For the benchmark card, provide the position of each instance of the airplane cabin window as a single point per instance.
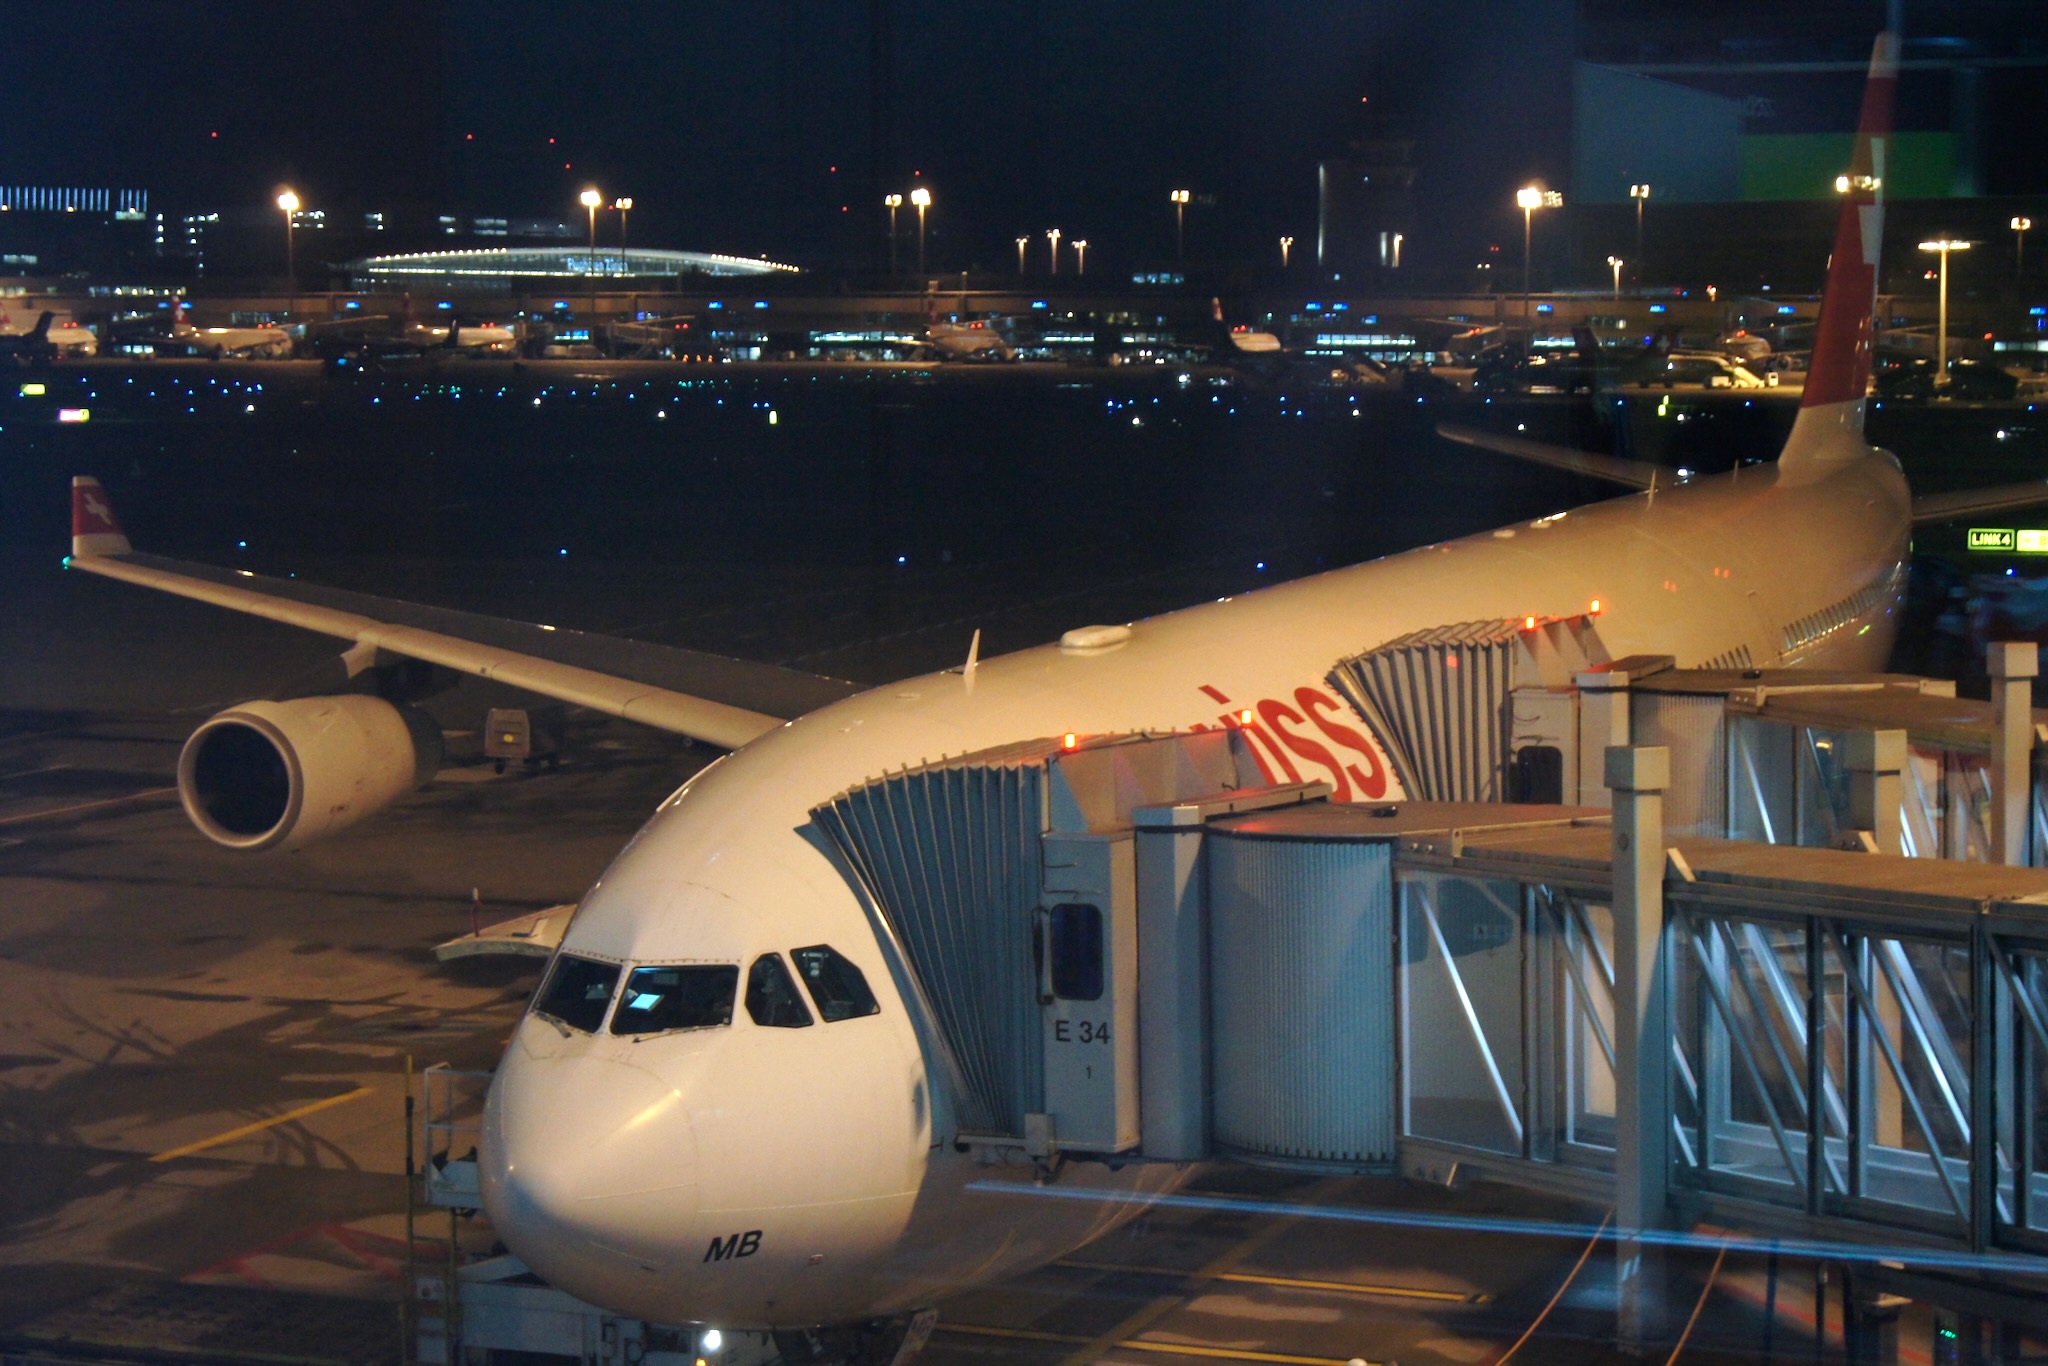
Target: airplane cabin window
(664, 998)
(1077, 952)
(834, 983)
(772, 997)
(577, 992)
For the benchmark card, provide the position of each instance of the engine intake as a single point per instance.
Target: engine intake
(275, 775)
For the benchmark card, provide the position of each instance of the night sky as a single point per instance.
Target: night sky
(725, 121)
(772, 127)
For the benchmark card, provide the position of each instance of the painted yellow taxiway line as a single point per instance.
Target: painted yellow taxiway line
(150, 794)
(1402, 1292)
(1144, 1345)
(260, 1125)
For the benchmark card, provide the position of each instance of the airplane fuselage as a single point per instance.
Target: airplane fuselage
(753, 1176)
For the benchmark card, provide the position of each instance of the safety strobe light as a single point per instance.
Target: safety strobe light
(74, 414)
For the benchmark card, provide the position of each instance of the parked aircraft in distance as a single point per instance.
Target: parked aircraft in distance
(385, 339)
(722, 1106)
(34, 345)
(967, 341)
(64, 337)
(179, 337)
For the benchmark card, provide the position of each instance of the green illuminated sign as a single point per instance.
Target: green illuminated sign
(2024, 541)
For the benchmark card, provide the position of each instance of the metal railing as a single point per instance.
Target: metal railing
(1920, 1106)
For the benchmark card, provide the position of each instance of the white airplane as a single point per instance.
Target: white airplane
(62, 337)
(466, 336)
(217, 343)
(968, 341)
(717, 1110)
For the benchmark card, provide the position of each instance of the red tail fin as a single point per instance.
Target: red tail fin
(1841, 346)
(1831, 410)
(94, 530)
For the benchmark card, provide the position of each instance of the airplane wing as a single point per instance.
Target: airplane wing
(1634, 474)
(1946, 507)
(724, 702)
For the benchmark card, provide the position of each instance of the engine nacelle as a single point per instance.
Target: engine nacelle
(274, 775)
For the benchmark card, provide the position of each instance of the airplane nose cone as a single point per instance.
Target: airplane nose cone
(589, 1167)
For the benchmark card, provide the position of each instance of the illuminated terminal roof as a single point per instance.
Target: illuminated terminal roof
(558, 263)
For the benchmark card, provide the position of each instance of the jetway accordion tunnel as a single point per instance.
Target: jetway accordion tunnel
(1136, 948)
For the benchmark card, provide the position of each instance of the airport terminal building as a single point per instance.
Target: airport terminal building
(493, 268)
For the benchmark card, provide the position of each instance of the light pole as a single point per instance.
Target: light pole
(590, 199)
(624, 206)
(892, 202)
(1614, 263)
(1944, 246)
(1180, 226)
(289, 202)
(1531, 198)
(1286, 246)
(2019, 245)
(1052, 235)
(1641, 195)
(1022, 242)
(1080, 256)
(922, 198)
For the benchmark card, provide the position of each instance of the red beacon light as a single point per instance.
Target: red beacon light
(1593, 608)
(1528, 623)
(1245, 716)
(1070, 741)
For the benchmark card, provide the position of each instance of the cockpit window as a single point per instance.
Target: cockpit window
(772, 997)
(834, 983)
(657, 999)
(577, 992)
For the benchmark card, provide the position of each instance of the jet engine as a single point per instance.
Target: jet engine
(275, 775)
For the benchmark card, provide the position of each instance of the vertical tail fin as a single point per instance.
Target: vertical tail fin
(93, 528)
(1830, 423)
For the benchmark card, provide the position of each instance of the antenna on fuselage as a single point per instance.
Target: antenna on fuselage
(973, 658)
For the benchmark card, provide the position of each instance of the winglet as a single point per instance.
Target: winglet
(93, 528)
(1830, 423)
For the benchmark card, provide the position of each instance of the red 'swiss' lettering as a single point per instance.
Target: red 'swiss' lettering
(1344, 756)
(1372, 781)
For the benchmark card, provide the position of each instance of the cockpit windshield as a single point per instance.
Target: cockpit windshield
(577, 992)
(663, 998)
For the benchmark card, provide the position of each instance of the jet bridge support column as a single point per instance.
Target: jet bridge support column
(2013, 664)
(1637, 776)
(1874, 760)
(1603, 723)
